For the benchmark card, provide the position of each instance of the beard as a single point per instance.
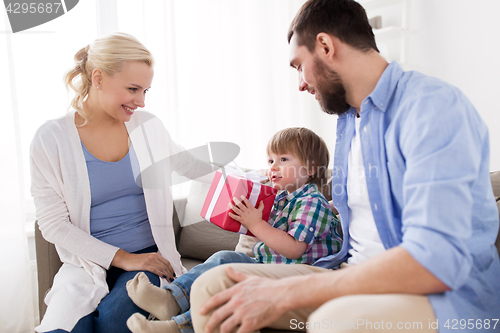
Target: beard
(330, 90)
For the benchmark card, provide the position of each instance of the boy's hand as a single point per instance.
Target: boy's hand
(245, 213)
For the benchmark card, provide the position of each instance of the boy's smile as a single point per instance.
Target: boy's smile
(287, 172)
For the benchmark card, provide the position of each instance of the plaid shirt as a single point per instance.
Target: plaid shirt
(307, 216)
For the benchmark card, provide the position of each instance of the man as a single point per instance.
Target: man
(411, 184)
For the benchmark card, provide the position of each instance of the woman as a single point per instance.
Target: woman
(101, 187)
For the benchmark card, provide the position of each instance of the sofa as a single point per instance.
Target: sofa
(196, 238)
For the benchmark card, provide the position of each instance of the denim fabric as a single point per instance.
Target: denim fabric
(85, 324)
(181, 287)
(184, 322)
(112, 313)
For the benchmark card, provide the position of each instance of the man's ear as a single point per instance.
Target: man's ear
(324, 45)
(97, 76)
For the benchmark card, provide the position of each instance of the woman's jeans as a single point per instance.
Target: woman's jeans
(112, 313)
(181, 287)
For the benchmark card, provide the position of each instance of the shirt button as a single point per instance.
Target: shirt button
(376, 207)
(311, 229)
(364, 129)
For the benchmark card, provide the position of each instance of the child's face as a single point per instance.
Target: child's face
(286, 172)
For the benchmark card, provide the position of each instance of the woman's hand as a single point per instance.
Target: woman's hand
(151, 262)
(245, 213)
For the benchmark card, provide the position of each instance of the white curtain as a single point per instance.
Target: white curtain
(16, 307)
(222, 71)
(32, 64)
(222, 74)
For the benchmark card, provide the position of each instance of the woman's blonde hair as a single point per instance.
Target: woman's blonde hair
(108, 53)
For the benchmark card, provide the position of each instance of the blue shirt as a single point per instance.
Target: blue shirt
(118, 213)
(426, 158)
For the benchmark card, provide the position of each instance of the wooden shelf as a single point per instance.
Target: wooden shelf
(387, 32)
(394, 37)
(370, 5)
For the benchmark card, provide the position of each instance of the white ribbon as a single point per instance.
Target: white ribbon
(210, 208)
(242, 230)
(254, 195)
(251, 175)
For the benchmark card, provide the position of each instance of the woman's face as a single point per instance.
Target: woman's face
(121, 94)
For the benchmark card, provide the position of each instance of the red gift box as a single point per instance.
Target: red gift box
(224, 189)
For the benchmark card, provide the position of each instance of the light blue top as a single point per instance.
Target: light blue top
(426, 158)
(118, 213)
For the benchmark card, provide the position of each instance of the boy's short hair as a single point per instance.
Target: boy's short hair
(307, 146)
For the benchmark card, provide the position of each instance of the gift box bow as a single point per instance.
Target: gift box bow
(223, 189)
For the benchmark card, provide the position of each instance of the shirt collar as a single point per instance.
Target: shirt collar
(385, 87)
(308, 187)
(352, 111)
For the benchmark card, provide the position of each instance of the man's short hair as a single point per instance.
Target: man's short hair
(344, 19)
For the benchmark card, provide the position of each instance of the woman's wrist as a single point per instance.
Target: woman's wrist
(120, 258)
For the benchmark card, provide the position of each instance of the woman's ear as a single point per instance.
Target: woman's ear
(97, 76)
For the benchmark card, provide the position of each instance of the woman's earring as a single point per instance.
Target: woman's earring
(97, 87)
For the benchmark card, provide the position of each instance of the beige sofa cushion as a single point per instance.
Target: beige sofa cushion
(199, 238)
(495, 183)
(245, 245)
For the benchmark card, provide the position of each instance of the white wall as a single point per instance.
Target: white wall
(458, 41)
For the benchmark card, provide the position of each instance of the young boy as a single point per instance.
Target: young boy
(301, 229)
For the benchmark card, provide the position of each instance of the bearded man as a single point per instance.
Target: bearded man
(412, 188)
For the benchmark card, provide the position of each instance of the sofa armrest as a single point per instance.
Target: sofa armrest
(48, 263)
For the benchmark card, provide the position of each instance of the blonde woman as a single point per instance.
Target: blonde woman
(95, 197)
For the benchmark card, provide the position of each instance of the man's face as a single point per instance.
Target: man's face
(319, 80)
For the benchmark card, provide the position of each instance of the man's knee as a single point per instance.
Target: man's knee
(367, 313)
(330, 317)
(210, 283)
(204, 287)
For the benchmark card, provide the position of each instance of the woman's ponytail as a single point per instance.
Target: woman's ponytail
(79, 79)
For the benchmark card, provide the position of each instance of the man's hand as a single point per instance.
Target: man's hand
(253, 303)
(245, 213)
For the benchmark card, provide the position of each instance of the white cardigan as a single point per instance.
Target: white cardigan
(60, 187)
